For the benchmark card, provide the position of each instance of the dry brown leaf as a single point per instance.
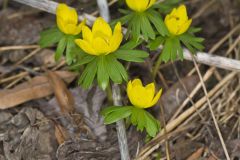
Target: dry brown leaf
(197, 154)
(62, 94)
(37, 87)
(60, 134)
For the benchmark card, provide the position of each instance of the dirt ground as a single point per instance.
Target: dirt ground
(34, 90)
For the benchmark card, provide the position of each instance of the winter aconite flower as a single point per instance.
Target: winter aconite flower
(140, 5)
(177, 21)
(140, 96)
(100, 40)
(67, 20)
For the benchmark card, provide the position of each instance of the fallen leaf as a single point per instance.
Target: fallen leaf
(197, 154)
(60, 134)
(62, 94)
(36, 88)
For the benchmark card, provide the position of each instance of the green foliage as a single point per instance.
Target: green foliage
(166, 6)
(106, 67)
(50, 37)
(65, 43)
(143, 24)
(172, 45)
(138, 117)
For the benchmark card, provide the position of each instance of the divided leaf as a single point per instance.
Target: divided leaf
(131, 55)
(50, 37)
(88, 74)
(102, 74)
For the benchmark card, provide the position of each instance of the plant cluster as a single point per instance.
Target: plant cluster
(98, 53)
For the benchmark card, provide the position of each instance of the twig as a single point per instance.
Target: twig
(6, 48)
(211, 110)
(201, 57)
(103, 9)
(122, 137)
(212, 60)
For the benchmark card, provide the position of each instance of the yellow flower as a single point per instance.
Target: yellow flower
(67, 20)
(177, 21)
(140, 5)
(100, 40)
(140, 96)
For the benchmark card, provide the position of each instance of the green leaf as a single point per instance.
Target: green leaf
(191, 42)
(131, 44)
(84, 60)
(124, 11)
(102, 74)
(88, 74)
(111, 109)
(60, 48)
(131, 55)
(154, 44)
(112, 69)
(50, 37)
(134, 26)
(125, 19)
(146, 28)
(121, 69)
(152, 126)
(116, 115)
(142, 119)
(193, 30)
(70, 48)
(157, 21)
(167, 50)
(137, 118)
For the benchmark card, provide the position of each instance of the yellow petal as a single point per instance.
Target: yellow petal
(68, 15)
(61, 25)
(87, 34)
(100, 46)
(100, 25)
(72, 29)
(139, 5)
(138, 97)
(85, 46)
(136, 82)
(184, 27)
(81, 25)
(131, 4)
(174, 12)
(150, 91)
(142, 5)
(171, 24)
(155, 99)
(182, 12)
(117, 37)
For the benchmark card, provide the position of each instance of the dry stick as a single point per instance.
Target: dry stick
(221, 62)
(148, 149)
(6, 48)
(122, 138)
(103, 9)
(211, 110)
(28, 56)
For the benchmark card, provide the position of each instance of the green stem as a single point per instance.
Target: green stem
(109, 94)
(156, 67)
